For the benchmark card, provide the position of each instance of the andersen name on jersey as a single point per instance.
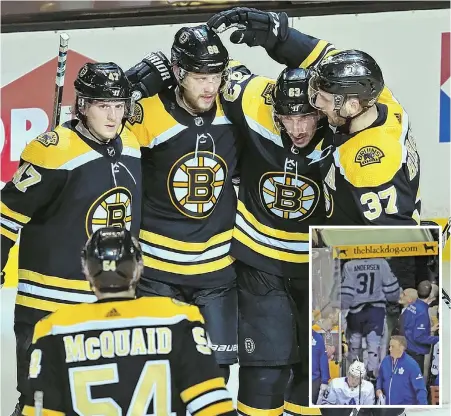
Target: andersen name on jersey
(189, 201)
(65, 188)
(280, 190)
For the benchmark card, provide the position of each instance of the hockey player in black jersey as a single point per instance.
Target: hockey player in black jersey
(370, 175)
(370, 165)
(122, 355)
(279, 197)
(83, 175)
(189, 154)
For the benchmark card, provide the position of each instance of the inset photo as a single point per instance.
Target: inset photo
(375, 313)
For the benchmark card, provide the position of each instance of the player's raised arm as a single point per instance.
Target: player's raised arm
(271, 30)
(151, 75)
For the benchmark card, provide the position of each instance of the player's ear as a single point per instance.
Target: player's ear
(353, 106)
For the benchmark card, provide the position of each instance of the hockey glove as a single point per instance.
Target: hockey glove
(151, 76)
(255, 27)
(2, 278)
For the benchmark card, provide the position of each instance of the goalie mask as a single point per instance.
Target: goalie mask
(293, 115)
(112, 260)
(104, 85)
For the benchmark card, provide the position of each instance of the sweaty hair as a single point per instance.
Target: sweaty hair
(424, 289)
(401, 340)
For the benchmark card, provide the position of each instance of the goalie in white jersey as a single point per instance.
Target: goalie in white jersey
(350, 390)
(367, 285)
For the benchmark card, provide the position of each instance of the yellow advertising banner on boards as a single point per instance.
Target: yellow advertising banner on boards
(362, 251)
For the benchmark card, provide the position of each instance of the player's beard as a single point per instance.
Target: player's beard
(335, 120)
(197, 103)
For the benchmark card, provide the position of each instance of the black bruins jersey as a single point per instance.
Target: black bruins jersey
(280, 192)
(65, 188)
(377, 169)
(189, 201)
(126, 357)
(372, 176)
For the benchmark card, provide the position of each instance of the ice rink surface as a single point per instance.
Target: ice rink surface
(8, 369)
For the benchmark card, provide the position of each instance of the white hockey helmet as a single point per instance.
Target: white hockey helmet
(357, 369)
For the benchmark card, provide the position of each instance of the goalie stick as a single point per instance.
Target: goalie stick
(59, 81)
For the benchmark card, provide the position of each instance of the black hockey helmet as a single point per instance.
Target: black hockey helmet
(102, 81)
(348, 74)
(199, 49)
(290, 98)
(290, 94)
(112, 260)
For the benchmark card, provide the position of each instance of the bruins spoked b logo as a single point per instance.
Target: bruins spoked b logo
(288, 196)
(111, 209)
(195, 183)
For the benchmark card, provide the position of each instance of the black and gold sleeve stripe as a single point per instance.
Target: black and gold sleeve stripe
(208, 398)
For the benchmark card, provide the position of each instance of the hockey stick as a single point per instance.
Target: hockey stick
(38, 403)
(59, 81)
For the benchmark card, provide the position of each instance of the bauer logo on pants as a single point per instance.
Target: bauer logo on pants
(427, 248)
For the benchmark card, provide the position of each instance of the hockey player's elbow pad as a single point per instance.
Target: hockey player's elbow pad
(151, 76)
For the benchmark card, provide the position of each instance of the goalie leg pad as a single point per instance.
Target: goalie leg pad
(373, 342)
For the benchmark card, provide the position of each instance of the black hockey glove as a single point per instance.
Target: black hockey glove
(255, 27)
(151, 76)
(2, 278)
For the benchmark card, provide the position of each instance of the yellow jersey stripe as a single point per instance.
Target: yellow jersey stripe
(190, 269)
(128, 313)
(269, 252)
(198, 389)
(314, 55)
(22, 219)
(217, 409)
(30, 411)
(301, 410)
(58, 282)
(252, 411)
(271, 232)
(39, 304)
(161, 240)
(8, 234)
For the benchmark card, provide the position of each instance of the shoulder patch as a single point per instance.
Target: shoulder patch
(138, 114)
(267, 93)
(368, 155)
(50, 138)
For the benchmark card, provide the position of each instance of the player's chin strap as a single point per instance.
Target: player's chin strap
(345, 127)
